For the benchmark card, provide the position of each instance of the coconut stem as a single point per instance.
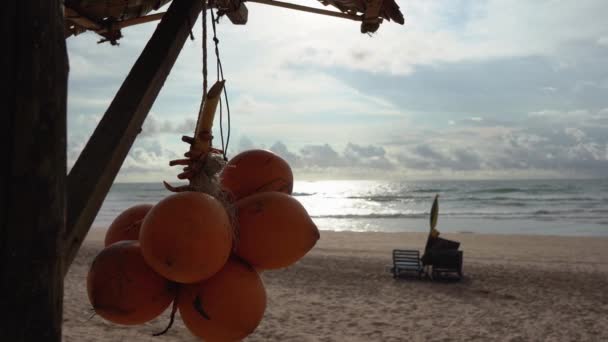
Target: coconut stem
(202, 133)
(202, 163)
(172, 318)
(198, 306)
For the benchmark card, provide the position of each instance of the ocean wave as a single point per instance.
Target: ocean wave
(544, 214)
(508, 201)
(373, 216)
(302, 194)
(514, 204)
(524, 190)
(431, 190)
(588, 212)
(496, 191)
(571, 211)
(382, 198)
(524, 199)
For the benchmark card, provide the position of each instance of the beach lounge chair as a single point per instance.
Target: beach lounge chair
(406, 262)
(441, 255)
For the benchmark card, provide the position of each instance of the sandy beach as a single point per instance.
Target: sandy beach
(516, 288)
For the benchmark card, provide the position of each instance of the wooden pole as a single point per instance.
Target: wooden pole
(93, 173)
(33, 90)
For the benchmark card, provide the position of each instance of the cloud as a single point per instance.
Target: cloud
(435, 32)
(353, 158)
(370, 156)
(153, 127)
(322, 156)
(292, 159)
(148, 160)
(465, 87)
(549, 142)
(245, 144)
(426, 157)
(576, 133)
(75, 145)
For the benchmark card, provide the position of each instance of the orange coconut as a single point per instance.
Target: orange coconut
(123, 289)
(186, 237)
(274, 230)
(226, 307)
(256, 171)
(126, 225)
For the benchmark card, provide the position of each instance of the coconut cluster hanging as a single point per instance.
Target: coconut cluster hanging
(203, 246)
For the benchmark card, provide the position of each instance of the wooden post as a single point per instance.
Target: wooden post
(93, 173)
(33, 89)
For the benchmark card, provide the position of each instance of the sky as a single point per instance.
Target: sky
(465, 89)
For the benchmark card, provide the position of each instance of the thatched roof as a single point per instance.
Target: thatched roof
(114, 9)
(107, 17)
(387, 9)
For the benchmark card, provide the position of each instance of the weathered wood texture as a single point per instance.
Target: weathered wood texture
(33, 89)
(93, 173)
(114, 9)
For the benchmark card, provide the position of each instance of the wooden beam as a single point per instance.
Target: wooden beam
(136, 21)
(33, 91)
(83, 21)
(93, 173)
(73, 16)
(308, 9)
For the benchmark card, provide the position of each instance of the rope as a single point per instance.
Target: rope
(219, 72)
(220, 75)
(204, 47)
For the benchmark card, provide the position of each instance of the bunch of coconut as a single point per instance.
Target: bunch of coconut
(203, 247)
(204, 251)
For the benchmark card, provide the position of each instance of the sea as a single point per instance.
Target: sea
(540, 207)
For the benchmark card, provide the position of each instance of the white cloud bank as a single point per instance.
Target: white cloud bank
(286, 95)
(524, 149)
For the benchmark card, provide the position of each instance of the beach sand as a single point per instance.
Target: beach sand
(516, 288)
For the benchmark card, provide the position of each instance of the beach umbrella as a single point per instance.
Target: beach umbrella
(434, 233)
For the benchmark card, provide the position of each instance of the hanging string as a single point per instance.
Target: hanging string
(204, 48)
(220, 76)
(219, 72)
